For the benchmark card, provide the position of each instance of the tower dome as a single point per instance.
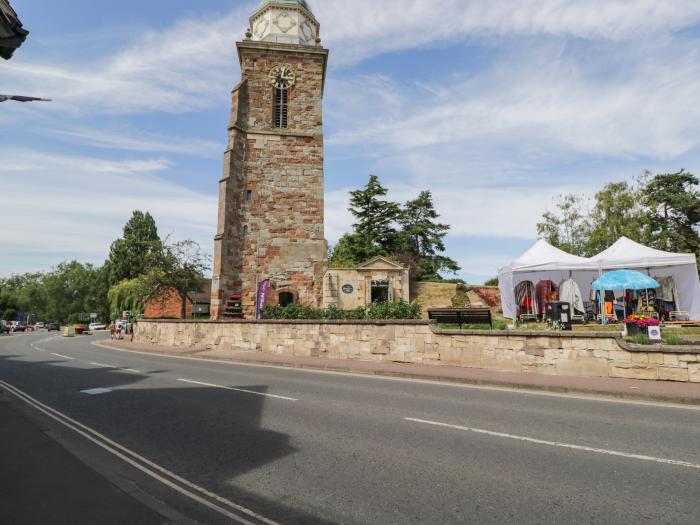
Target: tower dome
(285, 22)
(302, 3)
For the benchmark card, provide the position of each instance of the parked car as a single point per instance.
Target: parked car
(4, 328)
(52, 327)
(18, 327)
(80, 329)
(39, 326)
(96, 327)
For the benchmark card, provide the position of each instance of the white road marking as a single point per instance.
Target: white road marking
(123, 453)
(505, 389)
(237, 390)
(103, 366)
(96, 391)
(132, 370)
(37, 348)
(557, 444)
(63, 356)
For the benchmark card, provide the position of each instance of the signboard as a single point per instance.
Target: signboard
(93, 316)
(20, 317)
(347, 288)
(126, 314)
(654, 333)
(263, 291)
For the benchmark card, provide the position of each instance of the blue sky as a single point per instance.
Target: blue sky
(496, 106)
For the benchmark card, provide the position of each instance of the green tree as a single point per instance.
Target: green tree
(492, 282)
(68, 291)
(129, 255)
(674, 203)
(129, 295)
(180, 267)
(374, 233)
(618, 212)
(567, 228)
(423, 238)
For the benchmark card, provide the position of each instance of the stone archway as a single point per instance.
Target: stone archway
(286, 298)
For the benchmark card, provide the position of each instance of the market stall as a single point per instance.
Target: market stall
(678, 293)
(542, 262)
(677, 297)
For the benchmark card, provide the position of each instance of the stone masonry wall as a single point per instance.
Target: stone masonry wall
(271, 204)
(566, 354)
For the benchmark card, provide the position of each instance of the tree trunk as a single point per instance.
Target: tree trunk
(183, 306)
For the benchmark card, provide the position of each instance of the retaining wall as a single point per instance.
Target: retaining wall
(555, 353)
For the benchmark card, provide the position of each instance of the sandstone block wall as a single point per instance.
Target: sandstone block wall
(572, 354)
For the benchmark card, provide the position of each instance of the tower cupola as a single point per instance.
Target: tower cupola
(285, 22)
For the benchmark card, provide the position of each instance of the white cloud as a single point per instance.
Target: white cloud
(192, 65)
(647, 108)
(72, 207)
(133, 140)
(364, 28)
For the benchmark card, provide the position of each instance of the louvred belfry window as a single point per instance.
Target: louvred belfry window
(280, 113)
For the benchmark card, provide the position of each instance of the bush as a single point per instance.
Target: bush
(398, 311)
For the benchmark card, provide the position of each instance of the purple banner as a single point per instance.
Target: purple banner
(263, 290)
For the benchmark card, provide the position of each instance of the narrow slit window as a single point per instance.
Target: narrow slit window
(249, 195)
(281, 110)
(245, 231)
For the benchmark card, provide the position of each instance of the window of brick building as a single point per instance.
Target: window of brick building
(281, 109)
(245, 230)
(249, 195)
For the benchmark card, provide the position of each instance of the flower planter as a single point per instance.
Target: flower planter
(633, 329)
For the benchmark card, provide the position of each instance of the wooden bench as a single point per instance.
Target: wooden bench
(461, 316)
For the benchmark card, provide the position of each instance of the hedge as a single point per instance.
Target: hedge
(394, 311)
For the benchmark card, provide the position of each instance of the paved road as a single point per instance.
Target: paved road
(299, 446)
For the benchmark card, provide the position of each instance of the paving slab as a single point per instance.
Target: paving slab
(42, 482)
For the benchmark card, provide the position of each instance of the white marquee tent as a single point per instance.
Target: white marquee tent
(541, 262)
(544, 261)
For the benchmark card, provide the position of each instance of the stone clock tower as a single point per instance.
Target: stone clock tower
(270, 224)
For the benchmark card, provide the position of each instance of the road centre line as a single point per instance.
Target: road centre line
(500, 389)
(103, 366)
(123, 453)
(63, 356)
(557, 444)
(237, 390)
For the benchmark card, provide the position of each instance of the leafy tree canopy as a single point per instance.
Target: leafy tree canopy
(662, 211)
(409, 234)
(129, 255)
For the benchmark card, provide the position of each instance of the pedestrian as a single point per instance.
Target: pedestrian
(118, 331)
(111, 331)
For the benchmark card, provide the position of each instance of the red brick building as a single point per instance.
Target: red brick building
(168, 305)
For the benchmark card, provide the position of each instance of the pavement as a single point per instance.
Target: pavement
(42, 482)
(662, 391)
(292, 445)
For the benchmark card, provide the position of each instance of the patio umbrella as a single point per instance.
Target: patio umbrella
(624, 280)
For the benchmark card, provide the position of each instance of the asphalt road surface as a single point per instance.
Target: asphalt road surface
(222, 442)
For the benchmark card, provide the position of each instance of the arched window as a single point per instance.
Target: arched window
(281, 109)
(286, 299)
(246, 230)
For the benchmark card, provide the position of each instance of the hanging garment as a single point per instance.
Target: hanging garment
(525, 297)
(543, 291)
(569, 292)
(665, 292)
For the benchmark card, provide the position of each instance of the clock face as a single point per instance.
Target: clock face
(282, 77)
